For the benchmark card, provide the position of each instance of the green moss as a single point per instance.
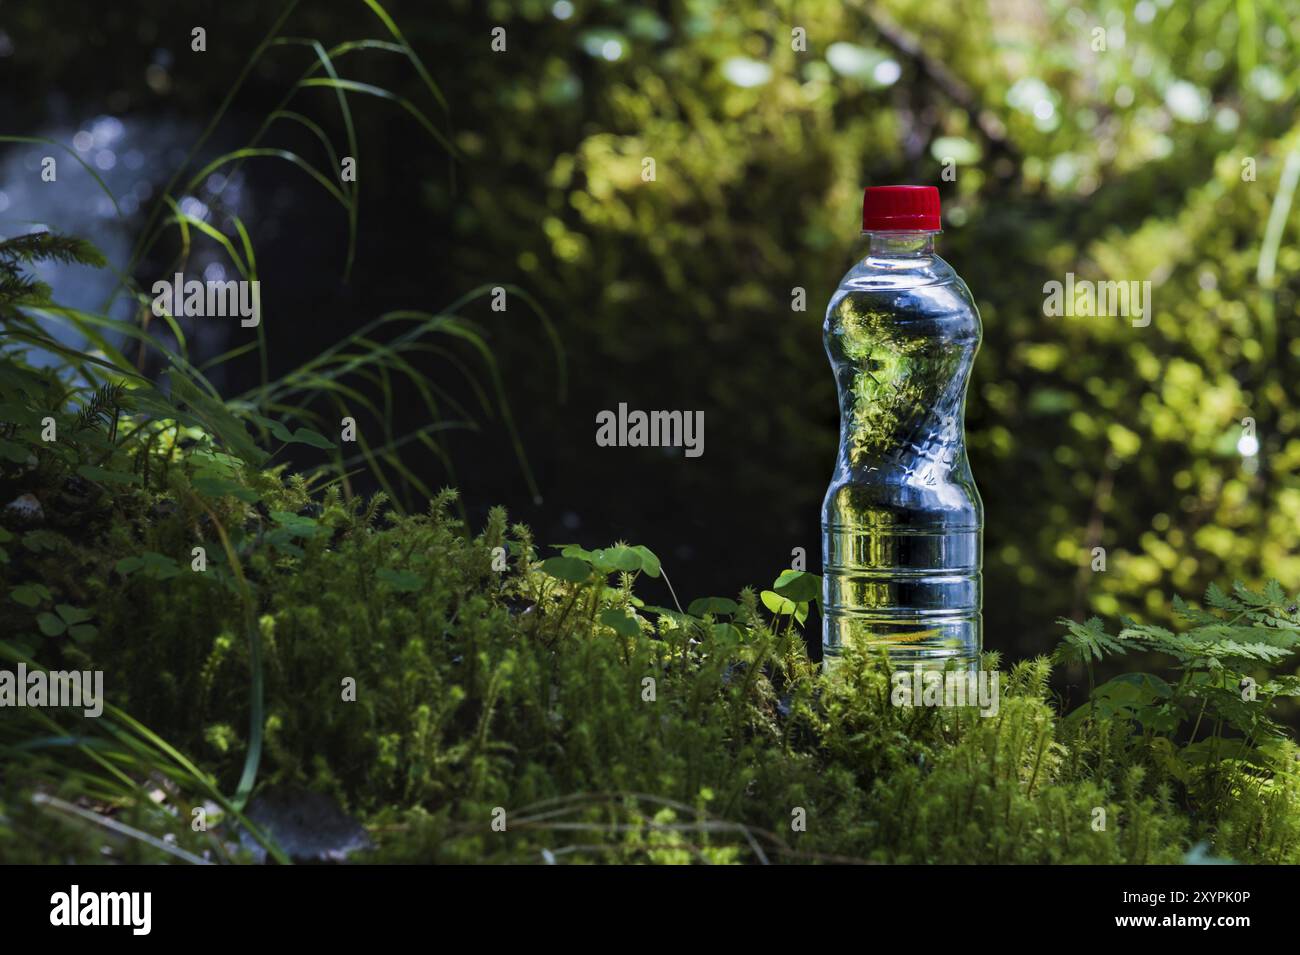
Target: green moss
(470, 701)
(480, 692)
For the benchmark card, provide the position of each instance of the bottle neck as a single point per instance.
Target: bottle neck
(901, 244)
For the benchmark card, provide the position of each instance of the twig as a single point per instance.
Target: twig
(114, 826)
(927, 67)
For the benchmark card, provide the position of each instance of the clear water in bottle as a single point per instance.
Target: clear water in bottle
(902, 522)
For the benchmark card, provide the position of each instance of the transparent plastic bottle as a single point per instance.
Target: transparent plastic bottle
(902, 522)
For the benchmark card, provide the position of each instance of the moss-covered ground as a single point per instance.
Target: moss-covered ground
(468, 700)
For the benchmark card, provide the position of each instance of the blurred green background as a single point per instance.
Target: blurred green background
(1153, 141)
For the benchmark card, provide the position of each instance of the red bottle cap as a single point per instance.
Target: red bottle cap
(900, 209)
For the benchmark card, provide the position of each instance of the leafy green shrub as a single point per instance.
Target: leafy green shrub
(1164, 157)
(489, 679)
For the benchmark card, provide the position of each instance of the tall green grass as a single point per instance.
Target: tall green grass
(117, 759)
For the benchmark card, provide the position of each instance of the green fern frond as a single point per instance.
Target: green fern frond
(1086, 641)
(1216, 598)
(103, 406)
(1192, 615)
(50, 247)
(17, 288)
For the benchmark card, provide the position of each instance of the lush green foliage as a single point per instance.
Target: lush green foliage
(490, 672)
(1170, 156)
(489, 675)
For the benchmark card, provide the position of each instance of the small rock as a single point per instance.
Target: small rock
(25, 511)
(77, 488)
(308, 826)
(76, 499)
(733, 672)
